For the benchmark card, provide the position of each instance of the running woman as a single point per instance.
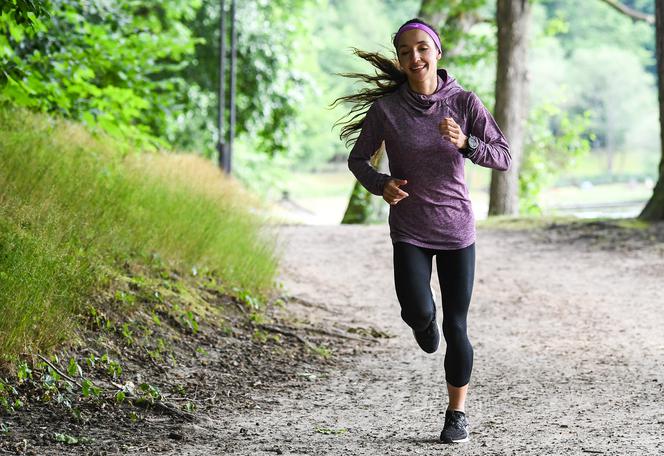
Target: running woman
(429, 126)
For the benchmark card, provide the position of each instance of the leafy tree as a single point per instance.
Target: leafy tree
(603, 75)
(18, 18)
(591, 24)
(554, 140)
(272, 37)
(147, 71)
(654, 209)
(111, 65)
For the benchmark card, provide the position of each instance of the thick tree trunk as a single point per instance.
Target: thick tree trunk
(513, 18)
(654, 210)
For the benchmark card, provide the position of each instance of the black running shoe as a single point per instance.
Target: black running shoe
(429, 338)
(456, 429)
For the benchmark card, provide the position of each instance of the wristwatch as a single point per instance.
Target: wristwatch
(471, 148)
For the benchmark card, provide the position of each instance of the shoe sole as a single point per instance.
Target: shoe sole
(457, 441)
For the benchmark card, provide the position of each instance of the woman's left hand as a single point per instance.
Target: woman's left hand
(452, 132)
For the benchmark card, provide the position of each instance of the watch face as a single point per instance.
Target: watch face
(473, 142)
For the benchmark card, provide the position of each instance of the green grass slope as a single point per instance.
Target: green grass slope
(74, 209)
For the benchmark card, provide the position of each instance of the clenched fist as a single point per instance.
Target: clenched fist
(452, 132)
(392, 193)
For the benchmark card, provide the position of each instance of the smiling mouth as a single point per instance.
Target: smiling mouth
(418, 69)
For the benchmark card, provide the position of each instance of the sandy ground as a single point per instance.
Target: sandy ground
(569, 354)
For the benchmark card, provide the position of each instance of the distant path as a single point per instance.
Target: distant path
(569, 355)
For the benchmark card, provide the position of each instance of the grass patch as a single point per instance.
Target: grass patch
(523, 222)
(74, 211)
(538, 222)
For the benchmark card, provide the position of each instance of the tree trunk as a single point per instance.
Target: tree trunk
(654, 210)
(362, 207)
(513, 18)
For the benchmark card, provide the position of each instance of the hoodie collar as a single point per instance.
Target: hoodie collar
(425, 104)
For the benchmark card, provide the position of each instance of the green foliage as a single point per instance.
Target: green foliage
(271, 36)
(591, 95)
(88, 389)
(73, 369)
(614, 85)
(553, 143)
(24, 12)
(331, 431)
(72, 212)
(190, 321)
(468, 45)
(323, 351)
(147, 72)
(342, 25)
(149, 393)
(112, 65)
(9, 400)
(23, 373)
(120, 396)
(248, 299)
(593, 24)
(70, 439)
(189, 407)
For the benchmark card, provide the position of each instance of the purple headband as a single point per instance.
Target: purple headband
(424, 28)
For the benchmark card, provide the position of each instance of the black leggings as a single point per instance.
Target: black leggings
(456, 271)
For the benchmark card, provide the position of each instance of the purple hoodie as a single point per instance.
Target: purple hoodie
(438, 214)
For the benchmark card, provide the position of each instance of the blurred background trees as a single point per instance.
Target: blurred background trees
(146, 72)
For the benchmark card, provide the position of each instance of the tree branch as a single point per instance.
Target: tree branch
(62, 374)
(629, 12)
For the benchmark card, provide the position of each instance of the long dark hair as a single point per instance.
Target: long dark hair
(387, 79)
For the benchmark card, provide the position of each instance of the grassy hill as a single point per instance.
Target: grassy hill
(77, 210)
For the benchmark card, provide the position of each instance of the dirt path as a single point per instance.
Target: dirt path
(569, 355)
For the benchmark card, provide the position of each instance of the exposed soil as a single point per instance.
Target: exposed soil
(566, 322)
(229, 363)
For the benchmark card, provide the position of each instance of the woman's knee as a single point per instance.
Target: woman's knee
(454, 331)
(417, 317)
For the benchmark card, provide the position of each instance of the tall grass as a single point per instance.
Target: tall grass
(72, 209)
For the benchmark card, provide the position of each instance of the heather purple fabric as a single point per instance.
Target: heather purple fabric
(438, 214)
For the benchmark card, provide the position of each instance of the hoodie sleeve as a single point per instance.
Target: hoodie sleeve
(493, 151)
(367, 144)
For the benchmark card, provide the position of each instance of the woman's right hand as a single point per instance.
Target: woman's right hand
(392, 193)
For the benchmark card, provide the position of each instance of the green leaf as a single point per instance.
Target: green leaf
(331, 431)
(73, 369)
(24, 372)
(65, 438)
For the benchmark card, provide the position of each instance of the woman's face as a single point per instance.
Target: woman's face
(418, 55)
